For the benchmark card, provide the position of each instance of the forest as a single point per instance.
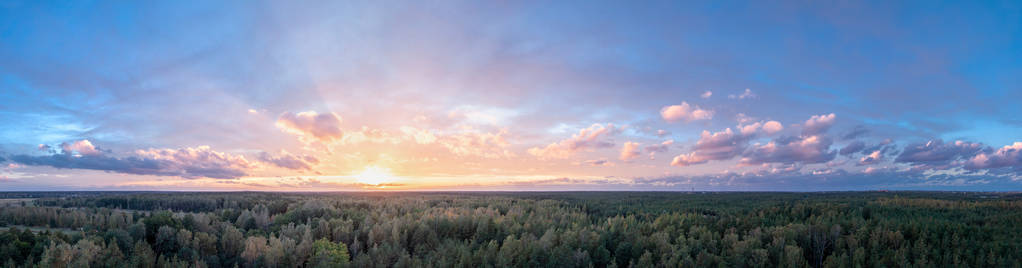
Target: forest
(510, 229)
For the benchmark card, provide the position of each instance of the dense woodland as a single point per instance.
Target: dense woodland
(578, 229)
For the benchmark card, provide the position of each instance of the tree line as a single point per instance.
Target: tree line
(578, 229)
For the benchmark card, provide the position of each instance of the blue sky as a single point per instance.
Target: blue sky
(567, 95)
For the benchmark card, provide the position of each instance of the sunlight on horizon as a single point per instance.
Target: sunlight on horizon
(375, 175)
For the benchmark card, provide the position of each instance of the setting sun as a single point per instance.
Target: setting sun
(374, 175)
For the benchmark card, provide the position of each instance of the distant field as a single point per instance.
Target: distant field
(16, 201)
(518, 229)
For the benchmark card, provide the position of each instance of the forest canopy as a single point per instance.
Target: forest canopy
(506, 229)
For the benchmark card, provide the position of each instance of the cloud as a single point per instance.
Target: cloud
(598, 162)
(420, 136)
(872, 158)
(750, 128)
(482, 116)
(586, 139)
(287, 160)
(725, 144)
(366, 134)
(312, 127)
(663, 147)
(806, 149)
(855, 132)
(629, 151)
(771, 127)
(81, 147)
(662, 133)
(935, 154)
(742, 118)
(1009, 156)
(684, 112)
(818, 124)
(195, 162)
(706, 95)
(714, 146)
(488, 145)
(851, 148)
(660, 148)
(745, 95)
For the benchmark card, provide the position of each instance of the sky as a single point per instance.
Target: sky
(511, 95)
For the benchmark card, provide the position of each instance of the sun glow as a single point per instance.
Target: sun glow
(374, 175)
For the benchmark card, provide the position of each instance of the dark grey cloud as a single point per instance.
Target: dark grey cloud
(186, 163)
(857, 131)
(935, 154)
(853, 147)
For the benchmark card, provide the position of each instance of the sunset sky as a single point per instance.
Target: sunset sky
(510, 95)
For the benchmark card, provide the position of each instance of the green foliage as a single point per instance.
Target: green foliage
(329, 254)
(580, 229)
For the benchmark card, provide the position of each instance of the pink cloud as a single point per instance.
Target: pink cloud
(1007, 156)
(488, 145)
(82, 147)
(805, 149)
(585, 140)
(706, 95)
(684, 112)
(311, 126)
(198, 162)
(629, 151)
(714, 146)
(771, 127)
